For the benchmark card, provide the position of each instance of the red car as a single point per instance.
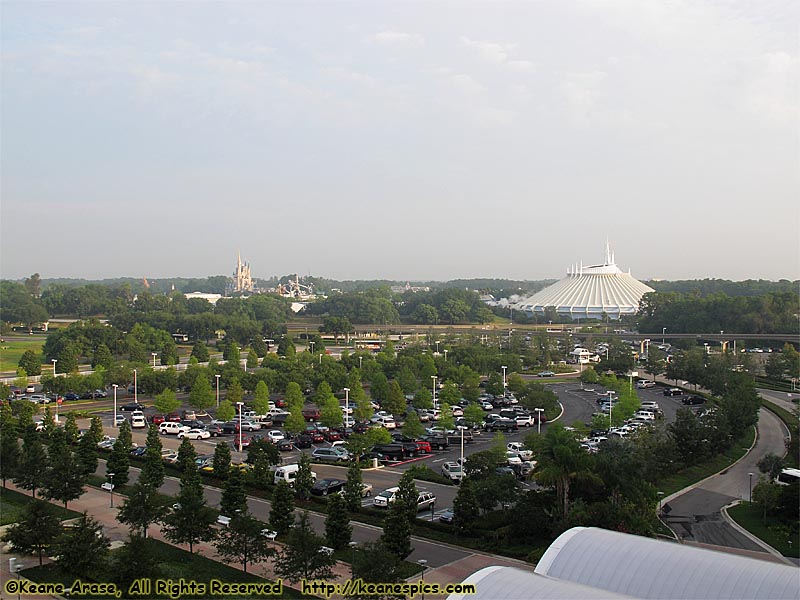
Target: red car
(174, 417)
(332, 435)
(157, 419)
(423, 446)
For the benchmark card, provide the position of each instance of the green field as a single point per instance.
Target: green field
(751, 518)
(13, 503)
(12, 351)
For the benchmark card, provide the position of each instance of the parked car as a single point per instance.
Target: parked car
(330, 454)
(194, 434)
(545, 374)
(173, 417)
(285, 445)
(275, 435)
(691, 400)
(119, 420)
(138, 421)
(502, 425)
(214, 430)
(447, 516)
(131, 406)
(438, 441)
(72, 396)
(172, 428)
(157, 419)
(673, 392)
(520, 449)
(644, 384)
(323, 487)
(303, 441)
(453, 471)
(311, 414)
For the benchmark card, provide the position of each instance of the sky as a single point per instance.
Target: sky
(400, 140)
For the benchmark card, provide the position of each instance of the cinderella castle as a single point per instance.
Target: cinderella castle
(242, 281)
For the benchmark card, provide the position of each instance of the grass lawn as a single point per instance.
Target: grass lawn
(13, 503)
(751, 518)
(687, 477)
(12, 351)
(174, 563)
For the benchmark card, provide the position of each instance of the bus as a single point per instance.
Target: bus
(788, 477)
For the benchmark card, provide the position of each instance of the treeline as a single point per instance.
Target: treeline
(773, 312)
(708, 287)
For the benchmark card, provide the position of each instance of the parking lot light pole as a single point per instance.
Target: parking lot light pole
(217, 378)
(433, 377)
(111, 487)
(539, 412)
(346, 397)
(663, 335)
(135, 390)
(353, 546)
(750, 493)
(54, 361)
(422, 563)
(660, 499)
(154, 354)
(240, 405)
(504, 379)
(114, 418)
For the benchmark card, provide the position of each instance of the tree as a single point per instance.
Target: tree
(33, 285)
(200, 351)
(331, 414)
(373, 563)
(261, 398)
(36, 530)
(202, 396)
(423, 399)
(689, 434)
(252, 359)
(234, 498)
(353, 487)
(222, 460)
(135, 560)
(64, 478)
(141, 508)
(338, 531)
(33, 463)
(560, 461)
(395, 402)
(466, 510)
(234, 393)
(281, 514)
(408, 494)
(243, 542)
(295, 422)
(286, 347)
(363, 411)
(119, 462)
(102, 357)
(191, 520)
(71, 429)
(166, 402)
(766, 495)
(589, 375)
(82, 547)
(473, 414)
(187, 455)
(771, 465)
(396, 537)
(379, 387)
(10, 454)
(304, 480)
(413, 428)
(31, 362)
(302, 557)
(153, 468)
(226, 411)
(87, 454)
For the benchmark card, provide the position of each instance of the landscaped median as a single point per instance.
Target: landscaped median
(771, 531)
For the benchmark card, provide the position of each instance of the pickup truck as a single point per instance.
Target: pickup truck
(520, 449)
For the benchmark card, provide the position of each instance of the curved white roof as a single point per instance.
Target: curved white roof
(510, 583)
(590, 293)
(646, 568)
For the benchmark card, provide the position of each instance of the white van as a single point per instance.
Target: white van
(138, 421)
(288, 473)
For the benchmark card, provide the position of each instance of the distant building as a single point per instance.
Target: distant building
(242, 281)
(212, 298)
(593, 292)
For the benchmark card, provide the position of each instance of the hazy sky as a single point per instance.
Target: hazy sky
(401, 140)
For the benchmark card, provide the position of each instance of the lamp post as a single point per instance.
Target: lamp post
(54, 361)
(353, 545)
(422, 563)
(217, 378)
(154, 354)
(750, 493)
(437, 346)
(504, 379)
(346, 396)
(135, 390)
(115, 386)
(539, 412)
(111, 487)
(663, 335)
(445, 355)
(311, 343)
(240, 405)
(433, 377)
(660, 499)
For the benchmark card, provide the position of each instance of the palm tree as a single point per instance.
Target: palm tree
(561, 460)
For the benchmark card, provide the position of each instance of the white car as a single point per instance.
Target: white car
(119, 420)
(275, 436)
(645, 384)
(520, 449)
(195, 434)
(138, 422)
(513, 458)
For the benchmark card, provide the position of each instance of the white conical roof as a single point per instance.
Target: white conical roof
(590, 293)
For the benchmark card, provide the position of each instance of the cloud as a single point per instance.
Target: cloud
(397, 39)
(773, 92)
(582, 92)
(466, 84)
(351, 76)
(496, 53)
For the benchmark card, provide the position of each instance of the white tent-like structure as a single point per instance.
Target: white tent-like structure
(593, 292)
